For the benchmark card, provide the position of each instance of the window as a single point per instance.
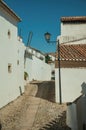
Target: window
(9, 68)
(17, 62)
(53, 72)
(9, 34)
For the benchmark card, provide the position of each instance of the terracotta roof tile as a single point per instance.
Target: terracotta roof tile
(72, 19)
(73, 52)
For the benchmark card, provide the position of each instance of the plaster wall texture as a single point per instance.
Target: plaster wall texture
(71, 32)
(73, 29)
(76, 115)
(71, 119)
(71, 80)
(9, 81)
(38, 69)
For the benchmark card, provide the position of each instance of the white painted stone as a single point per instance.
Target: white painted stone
(11, 50)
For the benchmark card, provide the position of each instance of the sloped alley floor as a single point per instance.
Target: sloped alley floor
(34, 110)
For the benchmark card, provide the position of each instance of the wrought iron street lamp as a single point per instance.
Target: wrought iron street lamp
(47, 38)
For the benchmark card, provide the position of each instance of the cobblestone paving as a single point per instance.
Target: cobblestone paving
(34, 110)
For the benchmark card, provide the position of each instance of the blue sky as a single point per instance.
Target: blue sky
(40, 16)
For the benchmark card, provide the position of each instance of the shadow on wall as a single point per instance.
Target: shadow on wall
(46, 90)
(0, 126)
(57, 124)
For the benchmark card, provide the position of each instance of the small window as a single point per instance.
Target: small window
(17, 62)
(9, 68)
(53, 72)
(9, 34)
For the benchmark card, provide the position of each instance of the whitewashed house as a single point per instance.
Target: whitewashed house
(51, 62)
(72, 58)
(76, 111)
(11, 56)
(35, 65)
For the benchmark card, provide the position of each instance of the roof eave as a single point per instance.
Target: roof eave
(73, 19)
(10, 11)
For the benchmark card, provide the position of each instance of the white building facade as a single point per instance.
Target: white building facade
(11, 51)
(72, 58)
(76, 115)
(36, 67)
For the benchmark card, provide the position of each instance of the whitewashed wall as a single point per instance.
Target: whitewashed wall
(73, 39)
(71, 118)
(71, 80)
(20, 65)
(9, 82)
(76, 114)
(37, 69)
(71, 32)
(73, 29)
(81, 112)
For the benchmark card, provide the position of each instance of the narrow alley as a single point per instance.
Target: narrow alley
(34, 110)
